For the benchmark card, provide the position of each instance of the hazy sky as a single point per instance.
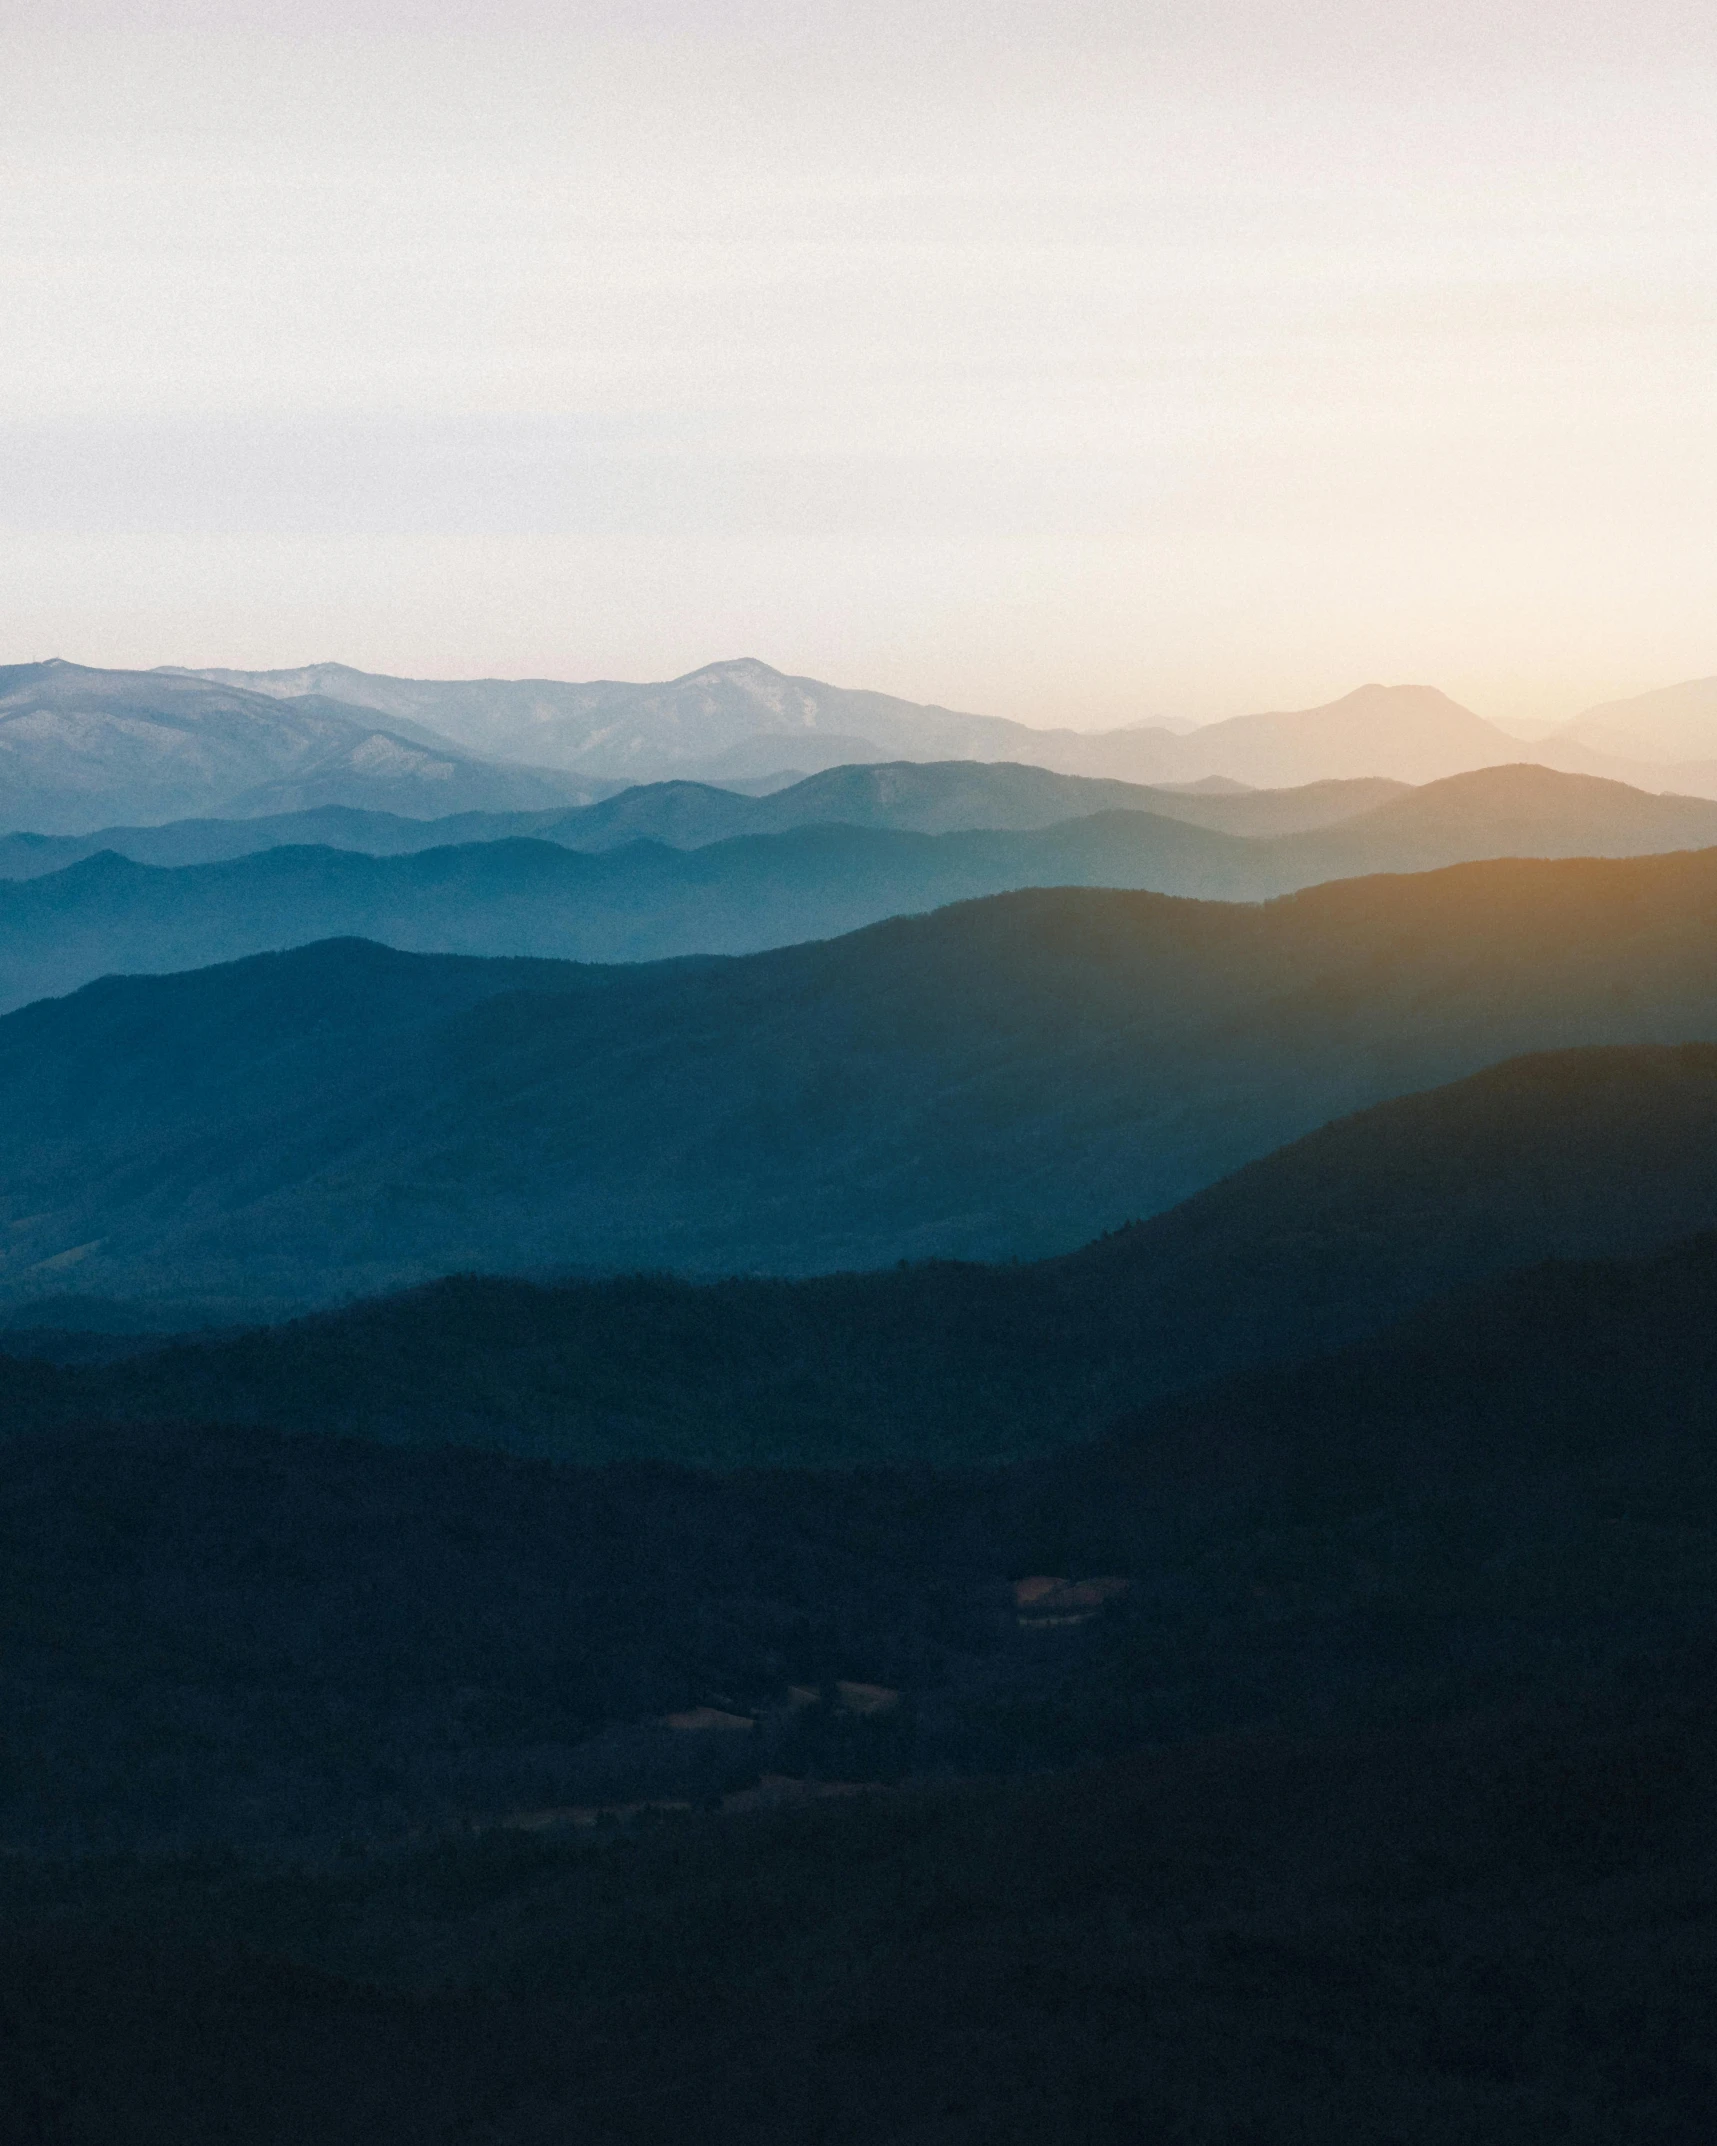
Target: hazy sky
(1076, 363)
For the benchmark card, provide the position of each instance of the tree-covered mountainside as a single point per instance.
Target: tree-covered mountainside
(1494, 1929)
(1007, 1077)
(644, 876)
(220, 1633)
(1569, 1155)
(1396, 1810)
(358, 1792)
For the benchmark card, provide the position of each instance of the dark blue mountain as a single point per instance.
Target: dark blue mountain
(1005, 1077)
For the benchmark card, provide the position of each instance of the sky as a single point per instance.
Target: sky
(1079, 363)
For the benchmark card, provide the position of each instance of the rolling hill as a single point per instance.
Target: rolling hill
(1517, 811)
(317, 1637)
(1572, 1155)
(646, 902)
(1003, 1077)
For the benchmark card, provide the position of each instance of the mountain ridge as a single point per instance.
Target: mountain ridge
(712, 720)
(619, 893)
(913, 796)
(76, 742)
(1002, 1077)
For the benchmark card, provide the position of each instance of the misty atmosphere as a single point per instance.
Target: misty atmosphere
(970, 1408)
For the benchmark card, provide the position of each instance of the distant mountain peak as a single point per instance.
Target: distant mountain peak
(1677, 723)
(729, 667)
(1409, 695)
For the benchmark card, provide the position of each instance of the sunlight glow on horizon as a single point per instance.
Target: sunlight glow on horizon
(1079, 365)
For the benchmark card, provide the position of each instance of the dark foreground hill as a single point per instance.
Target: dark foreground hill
(1008, 1077)
(596, 901)
(1497, 1930)
(1515, 1490)
(1414, 1843)
(1572, 1155)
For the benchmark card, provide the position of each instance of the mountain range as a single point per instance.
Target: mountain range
(742, 718)
(732, 718)
(950, 1675)
(597, 901)
(935, 797)
(82, 748)
(1004, 1077)
(903, 1430)
(79, 747)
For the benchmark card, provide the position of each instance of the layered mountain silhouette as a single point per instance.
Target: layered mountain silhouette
(81, 747)
(1086, 1512)
(1574, 1154)
(921, 797)
(646, 901)
(1004, 1077)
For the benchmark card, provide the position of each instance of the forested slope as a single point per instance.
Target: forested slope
(1569, 1155)
(1007, 1077)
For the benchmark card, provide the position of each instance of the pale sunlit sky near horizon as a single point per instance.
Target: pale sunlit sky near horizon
(1079, 363)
